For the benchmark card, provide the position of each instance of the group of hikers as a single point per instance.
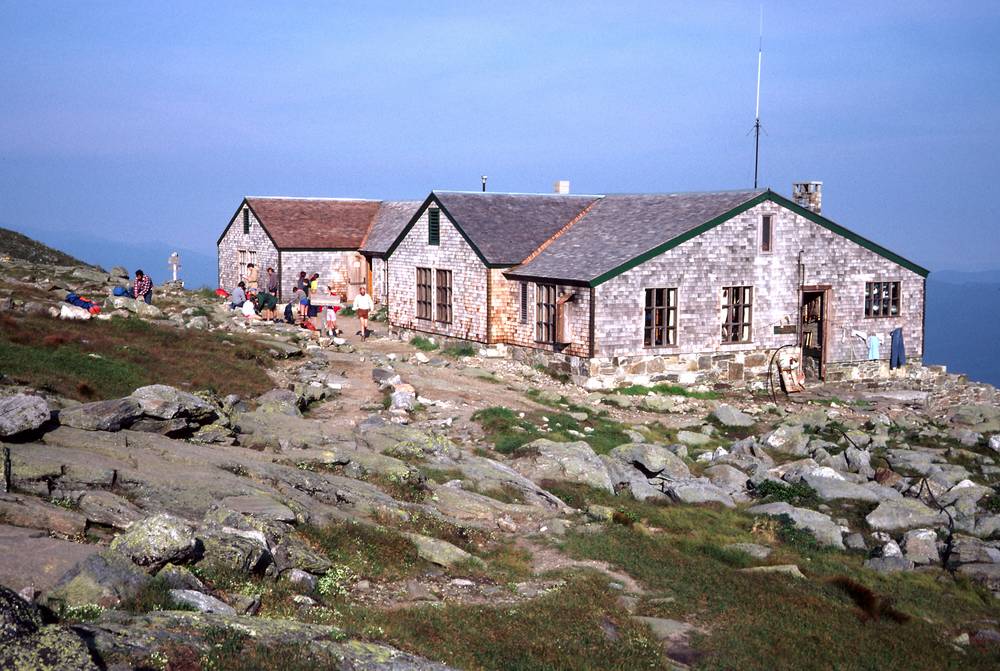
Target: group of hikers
(261, 303)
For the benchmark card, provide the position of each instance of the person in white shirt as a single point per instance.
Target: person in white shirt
(363, 305)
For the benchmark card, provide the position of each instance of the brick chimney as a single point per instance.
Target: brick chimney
(808, 195)
(562, 187)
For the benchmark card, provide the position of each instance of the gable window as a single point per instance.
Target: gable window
(524, 303)
(766, 230)
(434, 226)
(545, 313)
(882, 299)
(443, 296)
(737, 314)
(423, 293)
(246, 221)
(660, 318)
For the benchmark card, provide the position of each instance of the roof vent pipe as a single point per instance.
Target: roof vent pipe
(562, 187)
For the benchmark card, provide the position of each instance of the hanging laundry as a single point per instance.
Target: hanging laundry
(874, 341)
(897, 349)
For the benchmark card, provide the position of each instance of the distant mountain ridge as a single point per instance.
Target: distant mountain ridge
(20, 246)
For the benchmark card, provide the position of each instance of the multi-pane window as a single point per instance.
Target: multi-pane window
(246, 221)
(660, 328)
(766, 230)
(443, 278)
(545, 313)
(434, 226)
(423, 293)
(881, 299)
(737, 314)
(243, 258)
(524, 303)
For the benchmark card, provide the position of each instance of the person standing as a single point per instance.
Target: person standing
(143, 287)
(253, 277)
(272, 282)
(363, 305)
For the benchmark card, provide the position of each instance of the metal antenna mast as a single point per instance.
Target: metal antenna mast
(756, 114)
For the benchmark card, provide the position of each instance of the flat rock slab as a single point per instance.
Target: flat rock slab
(903, 514)
(727, 415)
(260, 506)
(30, 558)
(201, 602)
(28, 511)
(782, 569)
(438, 551)
(135, 637)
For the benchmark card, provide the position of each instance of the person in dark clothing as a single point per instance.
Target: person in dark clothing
(143, 288)
(272, 282)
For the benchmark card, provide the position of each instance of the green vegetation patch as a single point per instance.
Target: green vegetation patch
(508, 431)
(423, 344)
(665, 390)
(842, 616)
(95, 359)
(459, 350)
(578, 626)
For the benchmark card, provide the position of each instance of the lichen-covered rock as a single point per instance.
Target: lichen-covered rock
(156, 540)
(903, 514)
(823, 529)
(21, 413)
(101, 507)
(104, 579)
(568, 462)
(111, 415)
(695, 491)
(652, 459)
(201, 602)
(51, 648)
(162, 401)
(17, 617)
(135, 637)
(438, 551)
(236, 550)
(727, 415)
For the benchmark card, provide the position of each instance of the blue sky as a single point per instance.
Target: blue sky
(145, 123)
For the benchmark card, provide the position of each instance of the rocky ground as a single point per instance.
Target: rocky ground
(392, 505)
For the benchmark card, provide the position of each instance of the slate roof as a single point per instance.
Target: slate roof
(392, 218)
(619, 228)
(507, 227)
(314, 223)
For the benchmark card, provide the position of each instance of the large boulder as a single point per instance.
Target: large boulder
(903, 514)
(790, 439)
(104, 579)
(21, 413)
(438, 551)
(568, 462)
(921, 546)
(651, 460)
(102, 507)
(824, 529)
(51, 648)
(162, 401)
(156, 540)
(33, 559)
(727, 415)
(696, 491)
(111, 415)
(230, 550)
(626, 477)
(833, 489)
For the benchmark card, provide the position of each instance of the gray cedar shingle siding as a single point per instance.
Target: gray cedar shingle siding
(468, 281)
(234, 240)
(729, 255)
(507, 227)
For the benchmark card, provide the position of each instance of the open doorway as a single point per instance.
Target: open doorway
(813, 321)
